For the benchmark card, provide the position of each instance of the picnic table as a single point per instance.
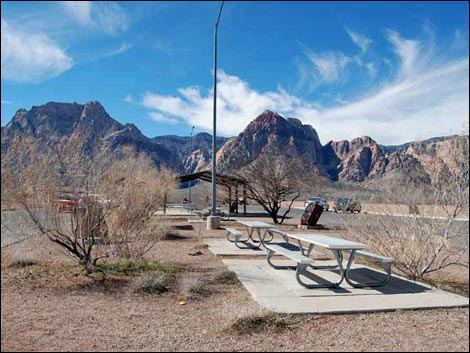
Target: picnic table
(251, 227)
(301, 255)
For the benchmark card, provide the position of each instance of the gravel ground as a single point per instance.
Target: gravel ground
(48, 307)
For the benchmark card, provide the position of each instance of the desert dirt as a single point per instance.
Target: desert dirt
(49, 306)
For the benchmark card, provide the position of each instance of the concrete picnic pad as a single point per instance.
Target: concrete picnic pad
(222, 247)
(277, 290)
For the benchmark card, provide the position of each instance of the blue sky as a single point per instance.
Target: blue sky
(396, 71)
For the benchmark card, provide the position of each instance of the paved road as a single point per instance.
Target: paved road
(15, 225)
(343, 221)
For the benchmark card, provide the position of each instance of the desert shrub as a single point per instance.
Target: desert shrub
(266, 322)
(131, 266)
(137, 190)
(200, 246)
(223, 276)
(118, 198)
(193, 287)
(22, 260)
(152, 284)
(170, 234)
(424, 242)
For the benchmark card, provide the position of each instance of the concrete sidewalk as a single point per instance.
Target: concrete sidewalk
(222, 247)
(277, 290)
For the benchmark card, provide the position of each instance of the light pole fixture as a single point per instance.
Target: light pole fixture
(190, 153)
(214, 133)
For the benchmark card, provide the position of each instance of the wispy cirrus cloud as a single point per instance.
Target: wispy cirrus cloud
(30, 56)
(122, 49)
(80, 10)
(160, 118)
(360, 40)
(427, 97)
(371, 69)
(409, 51)
(107, 16)
(6, 102)
(328, 67)
(363, 43)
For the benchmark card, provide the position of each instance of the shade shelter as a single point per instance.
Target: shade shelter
(231, 183)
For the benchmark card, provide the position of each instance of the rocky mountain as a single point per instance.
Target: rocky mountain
(194, 152)
(362, 159)
(75, 132)
(404, 147)
(356, 160)
(80, 132)
(271, 132)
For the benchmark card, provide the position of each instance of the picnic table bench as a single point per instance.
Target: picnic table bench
(385, 262)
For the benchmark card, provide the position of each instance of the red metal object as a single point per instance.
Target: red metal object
(65, 203)
(311, 215)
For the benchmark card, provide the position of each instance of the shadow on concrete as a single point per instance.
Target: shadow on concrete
(395, 286)
(249, 246)
(253, 215)
(366, 275)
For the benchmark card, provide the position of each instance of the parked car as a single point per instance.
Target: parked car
(65, 203)
(68, 202)
(321, 201)
(347, 205)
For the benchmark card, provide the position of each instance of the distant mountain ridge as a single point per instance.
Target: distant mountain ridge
(194, 152)
(86, 129)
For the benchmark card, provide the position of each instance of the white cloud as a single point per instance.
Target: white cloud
(409, 52)
(237, 104)
(423, 106)
(129, 99)
(80, 10)
(430, 104)
(429, 96)
(360, 40)
(328, 66)
(106, 16)
(371, 69)
(30, 56)
(162, 119)
(122, 49)
(6, 102)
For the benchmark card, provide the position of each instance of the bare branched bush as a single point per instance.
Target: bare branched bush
(117, 199)
(136, 190)
(34, 190)
(434, 235)
(274, 179)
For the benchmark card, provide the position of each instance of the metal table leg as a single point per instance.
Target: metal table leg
(302, 269)
(308, 252)
(387, 266)
(250, 237)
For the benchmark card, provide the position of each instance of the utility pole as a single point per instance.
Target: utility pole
(214, 219)
(190, 153)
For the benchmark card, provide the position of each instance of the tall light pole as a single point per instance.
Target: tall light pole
(214, 192)
(190, 153)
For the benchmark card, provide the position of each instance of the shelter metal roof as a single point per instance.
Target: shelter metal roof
(206, 175)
